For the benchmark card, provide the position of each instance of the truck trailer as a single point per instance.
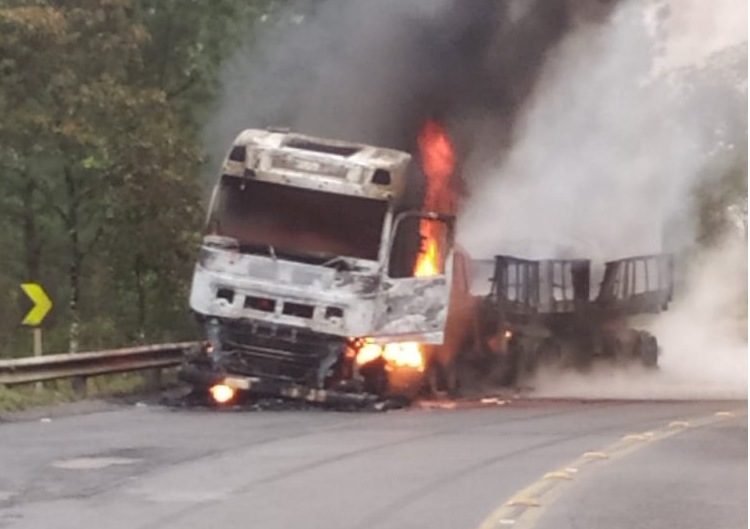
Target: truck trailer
(569, 314)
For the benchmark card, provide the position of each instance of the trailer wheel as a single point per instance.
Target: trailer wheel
(514, 364)
(549, 352)
(441, 380)
(647, 349)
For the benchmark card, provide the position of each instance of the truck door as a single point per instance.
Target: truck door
(416, 286)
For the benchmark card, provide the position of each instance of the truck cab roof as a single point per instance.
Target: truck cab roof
(318, 163)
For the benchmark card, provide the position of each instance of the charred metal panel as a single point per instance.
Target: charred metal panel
(637, 284)
(416, 306)
(278, 352)
(318, 163)
(515, 285)
(564, 284)
(282, 292)
(323, 175)
(234, 286)
(557, 286)
(308, 165)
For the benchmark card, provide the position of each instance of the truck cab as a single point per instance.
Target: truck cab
(310, 257)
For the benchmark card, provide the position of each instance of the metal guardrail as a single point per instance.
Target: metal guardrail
(51, 367)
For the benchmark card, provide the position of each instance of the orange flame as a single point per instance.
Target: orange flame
(395, 354)
(404, 354)
(438, 164)
(428, 261)
(221, 393)
(438, 159)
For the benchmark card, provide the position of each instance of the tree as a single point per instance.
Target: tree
(190, 40)
(103, 102)
(87, 134)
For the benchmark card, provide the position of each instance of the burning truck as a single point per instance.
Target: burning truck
(328, 272)
(321, 275)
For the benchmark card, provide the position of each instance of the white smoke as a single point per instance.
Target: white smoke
(604, 159)
(703, 339)
(694, 29)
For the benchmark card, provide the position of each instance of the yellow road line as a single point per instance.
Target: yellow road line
(528, 505)
(560, 474)
(524, 502)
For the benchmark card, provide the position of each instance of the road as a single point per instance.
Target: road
(139, 467)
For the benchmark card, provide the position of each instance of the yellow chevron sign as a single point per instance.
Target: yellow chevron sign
(42, 304)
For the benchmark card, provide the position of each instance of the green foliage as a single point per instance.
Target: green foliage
(190, 39)
(25, 396)
(100, 162)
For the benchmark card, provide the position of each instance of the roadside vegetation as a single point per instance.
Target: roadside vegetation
(103, 169)
(101, 163)
(23, 397)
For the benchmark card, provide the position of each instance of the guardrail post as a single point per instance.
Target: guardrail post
(79, 386)
(153, 379)
(38, 351)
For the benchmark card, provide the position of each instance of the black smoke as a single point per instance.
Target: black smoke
(374, 71)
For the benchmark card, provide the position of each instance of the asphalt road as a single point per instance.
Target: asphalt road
(151, 467)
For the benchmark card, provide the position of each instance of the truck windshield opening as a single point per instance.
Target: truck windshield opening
(293, 221)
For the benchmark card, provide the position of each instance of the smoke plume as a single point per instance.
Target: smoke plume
(604, 164)
(703, 339)
(573, 138)
(606, 158)
(692, 30)
(376, 71)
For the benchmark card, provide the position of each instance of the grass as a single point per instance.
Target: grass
(26, 396)
(20, 398)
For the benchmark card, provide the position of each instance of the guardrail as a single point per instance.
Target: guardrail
(82, 365)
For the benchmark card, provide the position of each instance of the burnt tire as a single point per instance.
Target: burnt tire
(514, 364)
(648, 350)
(548, 353)
(375, 377)
(441, 380)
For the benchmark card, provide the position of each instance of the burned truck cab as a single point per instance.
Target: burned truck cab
(307, 280)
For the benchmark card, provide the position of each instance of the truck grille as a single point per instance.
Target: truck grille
(276, 352)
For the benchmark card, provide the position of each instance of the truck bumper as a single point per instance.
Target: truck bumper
(204, 377)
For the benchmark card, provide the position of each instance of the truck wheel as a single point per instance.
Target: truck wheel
(513, 364)
(375, 377)
(648, 350)
(549, 352)
(441, 380)
(616, 352)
